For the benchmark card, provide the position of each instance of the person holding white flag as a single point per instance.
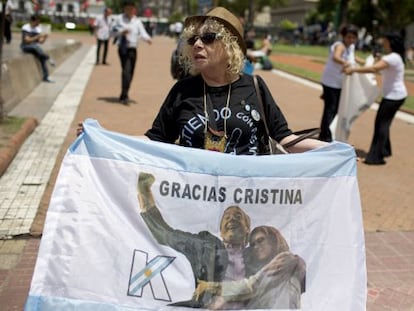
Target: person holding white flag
(391, 65)
(341, 54)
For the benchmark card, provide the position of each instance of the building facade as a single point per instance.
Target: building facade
(295, 12)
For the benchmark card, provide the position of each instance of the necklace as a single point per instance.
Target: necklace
(214, 140)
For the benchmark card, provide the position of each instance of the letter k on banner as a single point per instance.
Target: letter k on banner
(144, 273)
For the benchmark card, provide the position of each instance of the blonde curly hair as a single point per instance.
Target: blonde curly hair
(234, 52)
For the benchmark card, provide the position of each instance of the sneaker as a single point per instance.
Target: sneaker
(52, 62)
(48, 80)
(124, 99)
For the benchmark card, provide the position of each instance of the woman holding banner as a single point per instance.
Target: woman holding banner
(217, 107)
(391, 65)
(341, 54)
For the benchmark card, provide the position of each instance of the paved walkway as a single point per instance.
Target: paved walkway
(92, 91)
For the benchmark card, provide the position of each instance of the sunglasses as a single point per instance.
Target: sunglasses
(206, 38)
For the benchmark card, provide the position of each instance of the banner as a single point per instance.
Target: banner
(141, 225)
(359, 92)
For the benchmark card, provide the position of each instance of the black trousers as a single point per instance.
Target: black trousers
(104, 44)
(7, 29)
(381, 145)
(331, 98)
(128, 59)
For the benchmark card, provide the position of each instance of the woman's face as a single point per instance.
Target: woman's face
(349, 39)
(208, 51)
(386, 45)
(262, 246)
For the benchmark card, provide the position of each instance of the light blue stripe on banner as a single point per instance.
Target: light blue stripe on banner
(43, 303)
(336, 159)
(148, 273)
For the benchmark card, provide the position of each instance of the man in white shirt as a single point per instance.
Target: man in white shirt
(32, 38)
(102, 34)
(129, 30)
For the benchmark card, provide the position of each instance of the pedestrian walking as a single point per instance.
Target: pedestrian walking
(341, 54)
(178, 28)
(129, 31)
(8, 20)
(391, 65)
(102, 26)
(32, 38)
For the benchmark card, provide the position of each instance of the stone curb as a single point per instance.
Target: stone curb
(8, 152)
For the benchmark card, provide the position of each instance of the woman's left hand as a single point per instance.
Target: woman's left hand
(348, 70)
(283, 262)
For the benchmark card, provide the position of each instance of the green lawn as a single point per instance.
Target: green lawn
(8, 127)
(309, 50)
(321, 53)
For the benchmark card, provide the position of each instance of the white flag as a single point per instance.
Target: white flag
(134, 225)
(359, 92)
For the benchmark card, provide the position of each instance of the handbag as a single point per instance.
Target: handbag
(267, 144)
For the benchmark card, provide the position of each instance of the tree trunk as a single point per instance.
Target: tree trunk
(250, 18)
(3, 16)
(341, 14)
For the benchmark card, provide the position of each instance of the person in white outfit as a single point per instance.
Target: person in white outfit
(102, 34)
(391, 65)
(32, 39)
(341, 54)
(129, 30)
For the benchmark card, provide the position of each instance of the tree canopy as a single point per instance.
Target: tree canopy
(375, 15)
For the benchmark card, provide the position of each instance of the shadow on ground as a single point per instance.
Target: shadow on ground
(361, 153)
(111, 100)
(115, 100)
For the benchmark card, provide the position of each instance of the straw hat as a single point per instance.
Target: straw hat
(222, 15)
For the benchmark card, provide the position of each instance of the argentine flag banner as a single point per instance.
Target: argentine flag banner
(141, 225)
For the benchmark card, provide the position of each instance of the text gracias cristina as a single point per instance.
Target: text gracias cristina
(240, 195)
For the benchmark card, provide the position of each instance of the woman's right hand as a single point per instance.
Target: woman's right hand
(79, 129)
(206, 287)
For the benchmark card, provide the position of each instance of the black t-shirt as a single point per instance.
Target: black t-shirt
(182, 115)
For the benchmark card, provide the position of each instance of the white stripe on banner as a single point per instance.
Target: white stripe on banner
(141, 225)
